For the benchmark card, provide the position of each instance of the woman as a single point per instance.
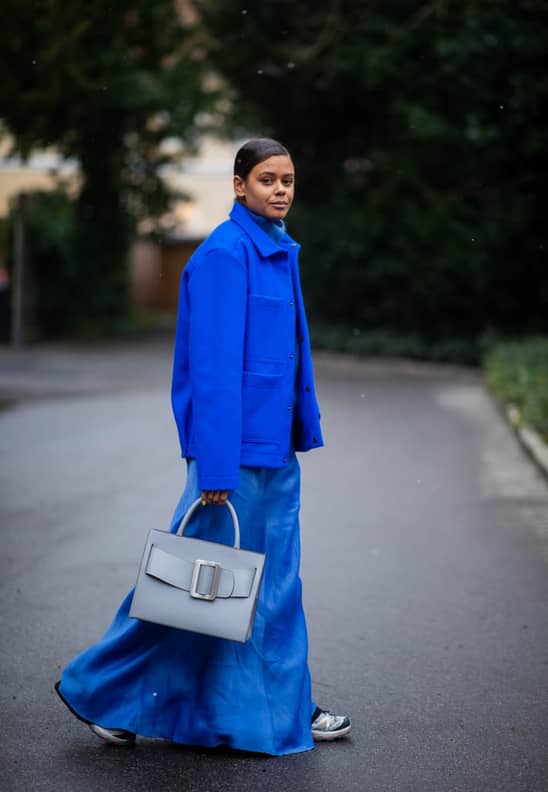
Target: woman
(244, 402)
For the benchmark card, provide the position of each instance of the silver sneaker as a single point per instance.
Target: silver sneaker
(326, 726)
(115, 736)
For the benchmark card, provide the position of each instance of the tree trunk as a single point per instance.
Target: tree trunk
(102, 238)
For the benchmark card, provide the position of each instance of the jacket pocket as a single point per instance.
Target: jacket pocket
(261, 379)
(270, 333)
(261, 401)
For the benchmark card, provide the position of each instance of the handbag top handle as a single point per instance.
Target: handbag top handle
(197, 503)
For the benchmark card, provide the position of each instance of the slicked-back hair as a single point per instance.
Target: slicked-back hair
(254, 151)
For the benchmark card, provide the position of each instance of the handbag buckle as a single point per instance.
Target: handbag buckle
(214, 587)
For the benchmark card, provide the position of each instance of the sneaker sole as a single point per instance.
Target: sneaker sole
(325, 736)
(108, 736)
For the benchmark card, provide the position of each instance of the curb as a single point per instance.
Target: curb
(530, 439)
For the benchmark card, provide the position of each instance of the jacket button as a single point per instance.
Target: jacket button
(314, 439)
(289, 408)
(307, 389)
(285, 460)
(291, 303)
(291, 355)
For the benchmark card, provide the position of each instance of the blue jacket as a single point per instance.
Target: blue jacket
(243, 384)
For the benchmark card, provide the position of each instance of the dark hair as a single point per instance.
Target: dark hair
(254, 151)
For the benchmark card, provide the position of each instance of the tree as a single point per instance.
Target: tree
(107, 84)
(417, 132)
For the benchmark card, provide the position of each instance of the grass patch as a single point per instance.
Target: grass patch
(516, 373)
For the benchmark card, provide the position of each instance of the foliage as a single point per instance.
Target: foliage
(49, 236)
(517, 374)
(106, 84)
(418, 137)
(387, 343)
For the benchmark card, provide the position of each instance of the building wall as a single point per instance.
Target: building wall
(156, 271)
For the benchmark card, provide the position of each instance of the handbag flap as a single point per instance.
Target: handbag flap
(178, 572)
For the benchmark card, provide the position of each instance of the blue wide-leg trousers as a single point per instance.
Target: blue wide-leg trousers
(195, 689)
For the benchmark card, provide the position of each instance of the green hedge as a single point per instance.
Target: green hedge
(383, 342)
(517, 373)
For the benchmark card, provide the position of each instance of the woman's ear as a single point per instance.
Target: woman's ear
(239, 187)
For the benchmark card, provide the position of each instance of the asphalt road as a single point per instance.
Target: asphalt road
(425, 552)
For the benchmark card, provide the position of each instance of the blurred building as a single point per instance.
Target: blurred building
(155, 267)
(207, 178)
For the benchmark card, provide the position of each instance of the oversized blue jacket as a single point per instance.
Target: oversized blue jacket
(243, 384)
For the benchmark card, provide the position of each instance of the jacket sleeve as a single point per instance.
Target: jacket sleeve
(218, 300)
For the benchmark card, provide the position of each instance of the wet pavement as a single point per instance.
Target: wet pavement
(425, 553)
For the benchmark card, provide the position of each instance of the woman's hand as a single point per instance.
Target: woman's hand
(216, 497)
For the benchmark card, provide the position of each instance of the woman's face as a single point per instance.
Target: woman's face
(269, 187)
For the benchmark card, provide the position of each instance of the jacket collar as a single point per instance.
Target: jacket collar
(264, 244)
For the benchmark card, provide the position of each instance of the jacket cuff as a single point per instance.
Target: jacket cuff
(218, 482)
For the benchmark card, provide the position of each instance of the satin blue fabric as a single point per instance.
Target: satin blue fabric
(199, 690)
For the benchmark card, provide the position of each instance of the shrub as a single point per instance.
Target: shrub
(50, 242)
(387, 343)
(517, 374)
(64, 294)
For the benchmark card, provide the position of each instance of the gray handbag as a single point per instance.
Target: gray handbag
(197, 585)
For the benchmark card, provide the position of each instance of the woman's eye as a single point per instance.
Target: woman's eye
(267, 180)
